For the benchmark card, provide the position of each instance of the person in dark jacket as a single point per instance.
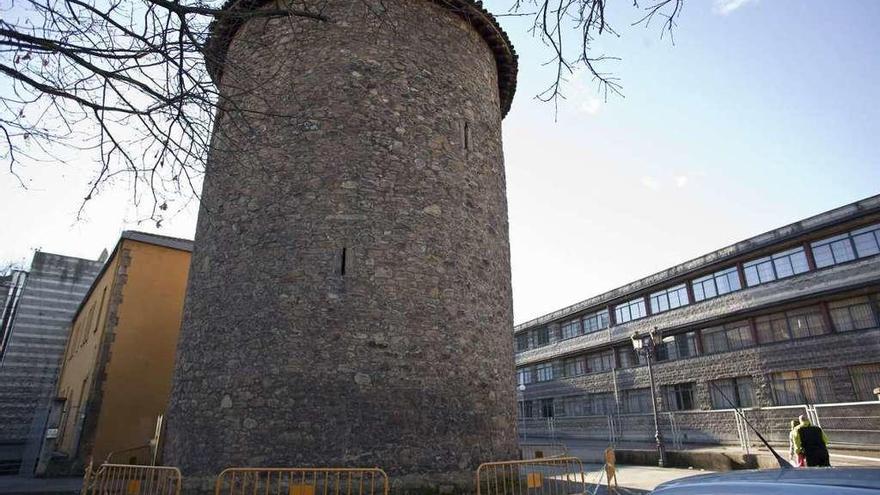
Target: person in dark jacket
(812, 443)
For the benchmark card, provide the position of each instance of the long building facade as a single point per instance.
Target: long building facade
(780, 323)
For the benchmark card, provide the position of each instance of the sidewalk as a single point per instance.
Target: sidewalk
(591, 451)
(16, 485)
(633, 480)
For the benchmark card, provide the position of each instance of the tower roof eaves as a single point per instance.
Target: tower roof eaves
(472, 11)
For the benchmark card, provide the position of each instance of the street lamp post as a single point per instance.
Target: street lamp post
(521, 389)
(647, 345)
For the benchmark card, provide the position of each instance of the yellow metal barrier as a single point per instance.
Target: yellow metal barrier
(302, 481)
(550, 476)
(124, 479)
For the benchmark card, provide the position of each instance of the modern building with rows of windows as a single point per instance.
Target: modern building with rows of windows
(789, 317)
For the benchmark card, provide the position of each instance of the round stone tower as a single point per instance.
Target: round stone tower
(349, 300)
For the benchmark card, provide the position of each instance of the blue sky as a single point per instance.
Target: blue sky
(752, 120)
(755, 118)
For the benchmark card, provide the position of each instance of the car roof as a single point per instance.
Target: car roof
(756, 482)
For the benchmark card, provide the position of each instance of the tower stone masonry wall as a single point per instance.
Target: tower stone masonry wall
(349, 300)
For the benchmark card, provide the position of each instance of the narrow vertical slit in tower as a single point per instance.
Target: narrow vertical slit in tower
(467, 136)
(342, 263)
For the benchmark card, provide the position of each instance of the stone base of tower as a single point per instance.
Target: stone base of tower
(458, 482)
(449, 483)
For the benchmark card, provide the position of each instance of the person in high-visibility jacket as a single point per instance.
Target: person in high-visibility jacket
(793, 456)
(811, 441)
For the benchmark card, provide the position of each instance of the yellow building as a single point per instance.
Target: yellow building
(116, 371)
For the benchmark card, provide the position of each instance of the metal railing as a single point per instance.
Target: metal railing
(851, 424)
(123, 479)
(302, 481)
(552, 475)
(141, 455)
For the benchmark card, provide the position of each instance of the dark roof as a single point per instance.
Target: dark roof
(159, 240)
(223, 29)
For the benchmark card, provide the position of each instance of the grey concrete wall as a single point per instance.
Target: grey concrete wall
(30, 365)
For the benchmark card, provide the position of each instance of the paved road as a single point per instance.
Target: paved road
(632, 480)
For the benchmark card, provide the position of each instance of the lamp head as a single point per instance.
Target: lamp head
(637, 341)
(657, 336)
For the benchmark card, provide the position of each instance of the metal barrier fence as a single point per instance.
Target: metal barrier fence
(552, 475)
(123, 479)
(140, 455)
(302, 481)
(853, 424)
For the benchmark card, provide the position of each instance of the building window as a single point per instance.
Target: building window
(682, 346)
(679, 397)
(600, 361)
(596, 321)
(558, 408)
(867, 240)
(632, 310)
(542, 337)
(526, 409)
(833, 250)
(852, 314)
(807, 322)
(575, 366)
(730, 337)
(671, 298)
(778, 266)
(739, 391)
(522, 342)
(524, 376)
(602, 404)
(804, 322)
(547, 408)
(572, 406)
(629, 358)
(716, 284)
(571, 329)
(847, 247)
(544, 372)
(801, 387)
(637, 401)
(772, 328)
(865, 379)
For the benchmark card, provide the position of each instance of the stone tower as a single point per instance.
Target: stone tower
(349, 301)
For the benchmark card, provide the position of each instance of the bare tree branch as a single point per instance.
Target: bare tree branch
(552, 20)
(126, 81)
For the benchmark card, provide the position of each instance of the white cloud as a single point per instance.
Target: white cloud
(591, 105)
(581, 93)
(650, 182)
(725, 7)
(681, 181)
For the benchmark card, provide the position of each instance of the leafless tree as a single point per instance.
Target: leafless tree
(124, 82)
